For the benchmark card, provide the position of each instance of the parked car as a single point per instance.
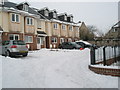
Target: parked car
(84, 44)
(14, 47)
(69, 45)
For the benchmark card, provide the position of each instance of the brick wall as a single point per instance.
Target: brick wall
(105, 71)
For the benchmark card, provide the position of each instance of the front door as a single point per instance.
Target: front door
(38, 43)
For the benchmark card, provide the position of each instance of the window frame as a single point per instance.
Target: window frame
(70, 27)
(63, 27)
(55, 26)
(25, 7)
(17, 20)
(54, 40)
(14, 35)
(29, 21)
(46, 13)
(28, 37)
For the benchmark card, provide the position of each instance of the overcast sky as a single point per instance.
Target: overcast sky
(100, 13)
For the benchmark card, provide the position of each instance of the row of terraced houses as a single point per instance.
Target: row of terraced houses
(39, 28)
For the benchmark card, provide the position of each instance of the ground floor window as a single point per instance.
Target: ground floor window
(62, 40)
(69, 40)
(54, 40)
(29, 39)
(13, 37)
(40, 40)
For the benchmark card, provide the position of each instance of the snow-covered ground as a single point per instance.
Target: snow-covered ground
(53, 69)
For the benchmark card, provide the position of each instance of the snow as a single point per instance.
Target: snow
(84, 42)
(47, 68)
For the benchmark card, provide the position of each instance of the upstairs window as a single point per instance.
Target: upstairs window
(70, 27)
(54, 15)
(77, 28)
(29, 21)
(46, 13)
(63, 27)
(71, 19)
(55, 26)
(15, 18)
(65, 17)
(39, 24)
(25, 7)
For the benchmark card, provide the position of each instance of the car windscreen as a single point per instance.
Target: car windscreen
(19, 43)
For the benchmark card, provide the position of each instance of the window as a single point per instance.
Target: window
(39, 24)
(13, 37)
(29, 21)
(77, 28)
(62, 40)
(46, 13)
(25, 7)
(65, 17)
(54, 40)
(63, 27)
(71, 19)
(54, 15)
(55, 26)
(69, 40)
(28, 39)
(70, 27)
(42, 41)
(15, 18)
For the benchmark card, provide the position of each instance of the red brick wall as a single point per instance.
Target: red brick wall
(105, 71)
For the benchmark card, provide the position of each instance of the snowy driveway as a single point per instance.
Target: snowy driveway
(53, 69)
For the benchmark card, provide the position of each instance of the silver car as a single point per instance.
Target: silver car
(14, 47)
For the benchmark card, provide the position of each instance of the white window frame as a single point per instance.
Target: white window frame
(63, 27)
(25, 7)
(28, 39)
(69, 39)
(29, 19)
(62, 40)
(39, 24)
(65, 17)
(54, 40)
(46, 13)
(15, 17)
(55, 26)
(71, 19)
(14, 35)
(71, 27)
(54, 15)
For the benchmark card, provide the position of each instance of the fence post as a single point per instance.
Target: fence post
(92, 53)
(104, 56)
(115, 53)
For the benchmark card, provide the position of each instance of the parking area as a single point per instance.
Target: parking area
(47, 68)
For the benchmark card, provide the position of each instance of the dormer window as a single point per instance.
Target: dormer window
(46, 13)
(54, 15)
(25, 7)
(71, 19)
(65, 17)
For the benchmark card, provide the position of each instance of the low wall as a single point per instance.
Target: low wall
(105, 71)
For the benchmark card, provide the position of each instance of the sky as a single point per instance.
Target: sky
(100, 13)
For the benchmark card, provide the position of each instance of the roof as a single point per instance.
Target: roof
(14, 5)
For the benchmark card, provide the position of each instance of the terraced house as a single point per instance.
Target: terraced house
(39, 28)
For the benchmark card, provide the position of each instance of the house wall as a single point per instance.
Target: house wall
(64, 33)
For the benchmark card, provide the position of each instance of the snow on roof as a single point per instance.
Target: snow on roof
(62, 14)
(44, 8)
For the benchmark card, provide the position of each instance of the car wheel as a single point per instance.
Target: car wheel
(24, 55)
(7, 53)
